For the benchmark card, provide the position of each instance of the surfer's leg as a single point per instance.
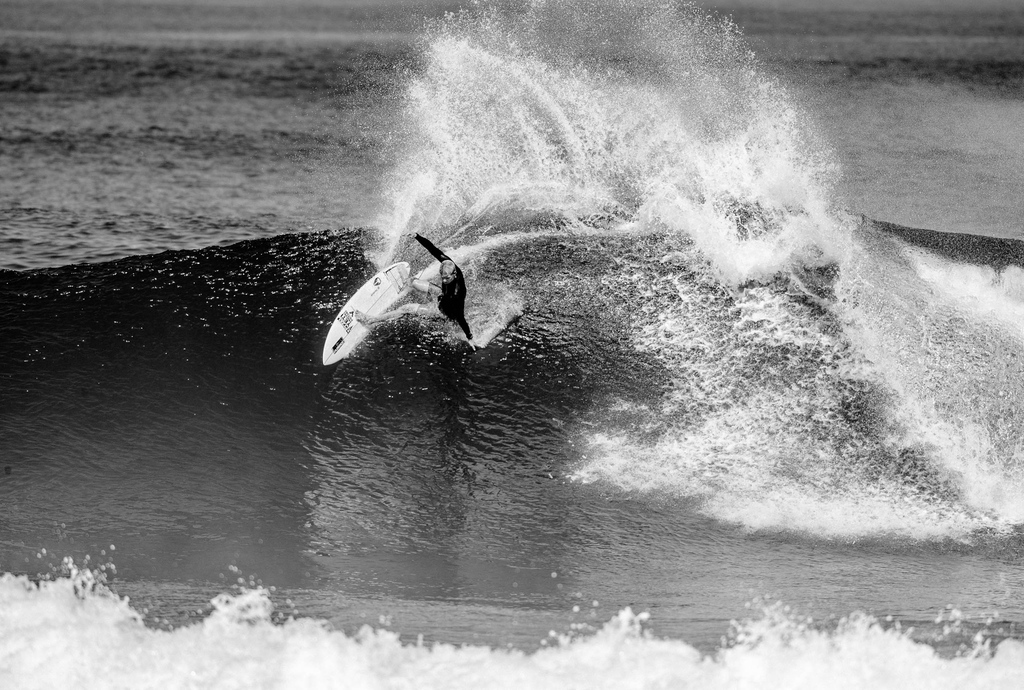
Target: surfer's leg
(421, 285)
(461, 320)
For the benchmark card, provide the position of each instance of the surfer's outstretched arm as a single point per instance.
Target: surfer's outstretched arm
(429, 246)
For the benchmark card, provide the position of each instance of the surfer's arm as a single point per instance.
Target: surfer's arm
(434, 251)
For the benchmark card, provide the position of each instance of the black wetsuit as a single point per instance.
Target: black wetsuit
(452, 301)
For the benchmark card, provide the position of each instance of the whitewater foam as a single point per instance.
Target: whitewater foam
(57, 633)
(691, 136)
(944, 338)
(775, 419)
(979, 290)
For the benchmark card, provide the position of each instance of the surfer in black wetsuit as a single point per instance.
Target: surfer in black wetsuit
(451, 294)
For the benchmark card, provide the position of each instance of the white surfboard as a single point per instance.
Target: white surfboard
(375, 297)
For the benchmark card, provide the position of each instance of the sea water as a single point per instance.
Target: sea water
(746, 431)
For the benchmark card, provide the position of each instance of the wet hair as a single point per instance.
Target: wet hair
(449, 265)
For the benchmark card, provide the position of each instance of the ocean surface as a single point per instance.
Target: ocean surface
(759, 423)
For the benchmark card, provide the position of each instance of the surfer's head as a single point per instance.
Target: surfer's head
(447, 271)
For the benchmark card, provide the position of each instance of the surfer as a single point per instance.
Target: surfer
(451, 295)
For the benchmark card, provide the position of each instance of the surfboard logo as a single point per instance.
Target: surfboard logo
(378, 293)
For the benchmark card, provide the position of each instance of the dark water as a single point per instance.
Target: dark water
(728, 385)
